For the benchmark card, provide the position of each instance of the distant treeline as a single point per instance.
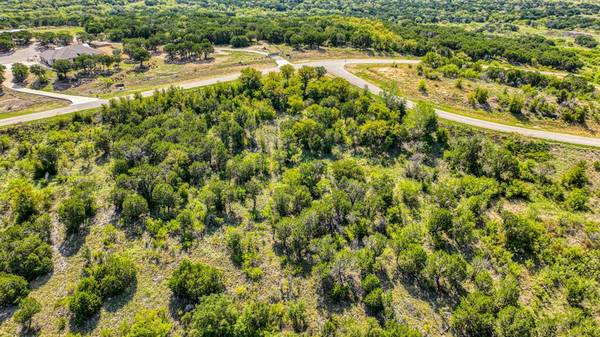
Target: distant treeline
(313, 32)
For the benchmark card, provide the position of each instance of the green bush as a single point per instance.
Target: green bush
(12, 289)
(374, 300)
(577, 200)
(515, 322)
(576, 176)
(71, 212)
(296, 315)
(474, 316)
(192, 281)
(150, 323)
(114, 275)
(522, 234)
(83, 305)
(370, 283)
(214, 316)
(134, 206)
(28, 307)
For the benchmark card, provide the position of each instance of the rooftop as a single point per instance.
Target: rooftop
(68, 52)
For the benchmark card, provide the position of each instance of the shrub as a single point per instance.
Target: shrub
(12, 289)
(257, 319)
(214, 316)
(412, 260)
(150, 323)
(83, 305)
(374, 300)
(474, 316)
(516, 105)
(422, 86)
(577, 290)
(521, 234)
(20, 72)
(514, 322)
(586, 41)
(481, 95)
(134, 206)
(28, 307)
(114, 275)
(192, 281)
(29, 257)
(508, 292)
(370, 283)
(239, 42)
(71, 213)
(577, 200)
(576, 176)
(296, 314)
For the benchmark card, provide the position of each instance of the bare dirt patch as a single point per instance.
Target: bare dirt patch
(16, 102)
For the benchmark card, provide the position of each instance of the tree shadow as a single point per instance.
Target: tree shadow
(40, 280)
(178, 307)
(6, 313)
(71, 245)
(520, 117)
(115, 303)
(31, 332)
(85, 328)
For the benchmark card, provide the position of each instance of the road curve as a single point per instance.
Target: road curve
(335, 67)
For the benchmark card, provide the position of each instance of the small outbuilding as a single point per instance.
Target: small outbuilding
(67, 53)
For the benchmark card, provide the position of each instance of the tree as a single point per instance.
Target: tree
(250, 79)
(40, 73)
(19, 72)
(83, 305)
(2, 78)
(361, 39)
(474, 316)
(28, 307)
(206, 48)
(239, 42)
(191, 281)
(521, 234)
(446, 271)
(214, 316)
(134, 206)
(72, 214)
(62, 68)
(139, 54)
(12, 289)
(421, 122)
(515, 322)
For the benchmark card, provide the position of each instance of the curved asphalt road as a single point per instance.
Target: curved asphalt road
(335, 67)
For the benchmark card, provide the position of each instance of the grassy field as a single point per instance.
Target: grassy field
(14, 104)
(159, 73)
(445, 94)
(73, 30)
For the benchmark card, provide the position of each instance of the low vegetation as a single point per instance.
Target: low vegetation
(293, 202)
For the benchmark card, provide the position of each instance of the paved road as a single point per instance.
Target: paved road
(337, 68)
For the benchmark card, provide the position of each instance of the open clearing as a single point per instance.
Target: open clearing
(14, 103)
(127, 79)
